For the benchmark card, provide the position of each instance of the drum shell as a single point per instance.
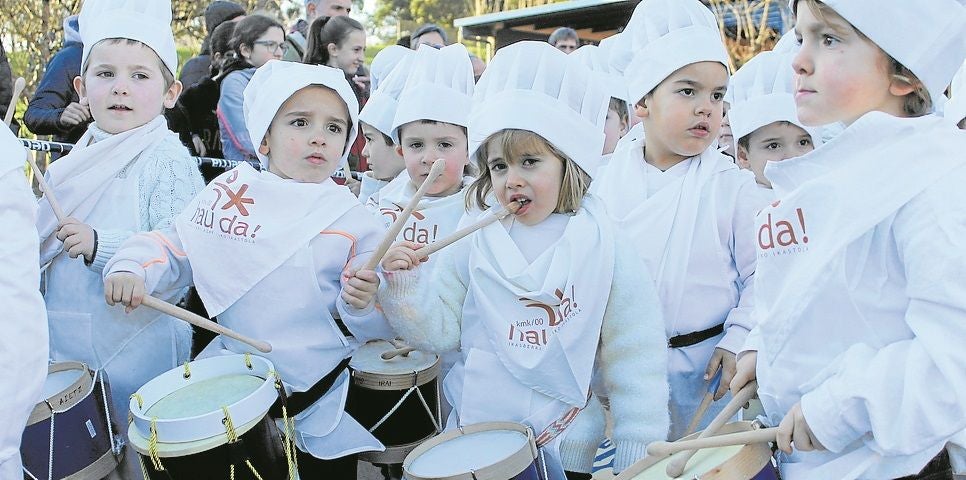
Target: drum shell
(82, 447)
(262, 443)
(410, 423)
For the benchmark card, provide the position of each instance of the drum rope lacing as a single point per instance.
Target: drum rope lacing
(53, 413)
(289, 423)
(398, 404)
(232, 438)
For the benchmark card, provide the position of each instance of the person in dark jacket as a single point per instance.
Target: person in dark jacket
(55, 108)
(198, 67)
(6, 89)
(193, 117)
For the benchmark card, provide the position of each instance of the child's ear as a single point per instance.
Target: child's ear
(263, 147)
(900, 87)
(79, 87)
(741, 157)
(624, 126)
(332, 49)
(172, 94)
(640, 109)
(399, 150)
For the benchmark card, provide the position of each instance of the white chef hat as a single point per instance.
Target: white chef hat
(533, 86)
(384, 62)
(380, 110)
(956, 106)
(439, 88)
(275, 81)
(662, 37)
(928, 38)
(762, 93)
(597, 59)
(147, 21)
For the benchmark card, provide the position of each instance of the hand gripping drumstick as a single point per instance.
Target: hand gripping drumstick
(154, 302)
(18, 87)
(740, 438)
(397, 226)
(677, 465)
(497, 215)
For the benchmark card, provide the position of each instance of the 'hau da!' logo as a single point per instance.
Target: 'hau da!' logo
(533, 332)
(236, 200)
(781, 232)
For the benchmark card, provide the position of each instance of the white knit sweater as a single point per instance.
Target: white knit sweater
(167, 179)
(631, 364)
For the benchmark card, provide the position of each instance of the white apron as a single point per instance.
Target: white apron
(664, 227)
(132, 348)
(433, 219)
(370, 186)
(832, 204)
(530, 331)
(272, 292)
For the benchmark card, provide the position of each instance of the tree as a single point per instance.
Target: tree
(751, 33)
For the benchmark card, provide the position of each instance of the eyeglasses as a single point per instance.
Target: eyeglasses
(271, 45)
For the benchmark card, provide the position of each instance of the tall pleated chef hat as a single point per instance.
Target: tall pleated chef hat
(384, 63)
(147, 21)
(276, 81)
(762, 92)
(533, 86)
(928, 38)
(597, 59)
(380, 110)
(956, 106)
(662, 37)
(439, 88)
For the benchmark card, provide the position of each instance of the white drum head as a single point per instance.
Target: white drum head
(205, 396)
(368, 358)
(57, 382)
(467, 453)
(702, 462)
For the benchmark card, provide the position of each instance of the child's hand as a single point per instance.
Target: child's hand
(794, 430)
(402, 256)
(744, 371)
(359, 288)
(74, 114)
(725, 360)
(78, 238)
(125, 288)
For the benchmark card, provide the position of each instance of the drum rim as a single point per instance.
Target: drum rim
(84, 384)
(509, 467)
(252, 407)
(756, 452)
(140, 443)
(392, 381)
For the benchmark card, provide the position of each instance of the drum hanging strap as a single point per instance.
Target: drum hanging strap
(299, 401)
(557, 426)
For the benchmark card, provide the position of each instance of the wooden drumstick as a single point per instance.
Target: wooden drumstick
(677, 465)
(199, 321)
(440, 244)
(154, 302)
(705, 403)
(404, 351)
(18, 87)
(741, 438)
(434, 172)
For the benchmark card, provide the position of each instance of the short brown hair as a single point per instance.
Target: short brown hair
(916, 103)
(618, 106)
(515, 143)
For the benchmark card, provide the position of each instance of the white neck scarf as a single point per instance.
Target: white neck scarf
(433, 218)
(543, 319)
(662, 225)
(836, 194)
(82, 176)
(246, 223)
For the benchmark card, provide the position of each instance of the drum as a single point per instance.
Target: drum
(69, 433)
(397, 400)
(209, 420)
(739, 462)
(482, 451)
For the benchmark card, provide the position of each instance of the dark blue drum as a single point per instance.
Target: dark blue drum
(75, 404)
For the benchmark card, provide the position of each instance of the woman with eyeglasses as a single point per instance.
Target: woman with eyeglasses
(257, 39)
(340, 42)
